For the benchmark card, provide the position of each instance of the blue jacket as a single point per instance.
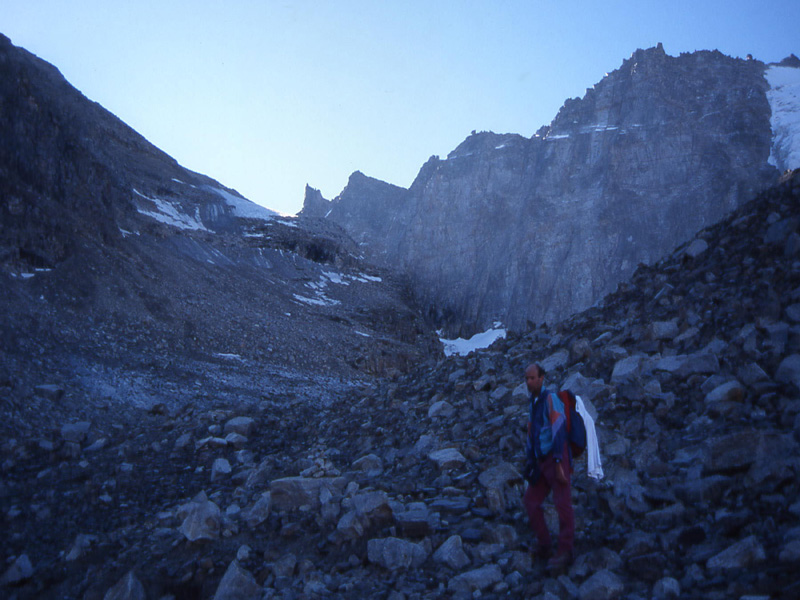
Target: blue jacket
(547, 428)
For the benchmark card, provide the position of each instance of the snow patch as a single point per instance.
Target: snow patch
(227, 356)
(320, 300)
(784, 100)
(245, 208)
(462, 347)
(168, 213)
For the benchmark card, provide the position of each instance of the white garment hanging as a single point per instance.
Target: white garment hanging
(594, 466)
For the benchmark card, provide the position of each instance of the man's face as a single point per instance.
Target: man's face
(533, 380)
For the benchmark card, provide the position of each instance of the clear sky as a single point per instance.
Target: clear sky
(266, 96)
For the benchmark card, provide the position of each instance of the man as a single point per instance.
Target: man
(549, 467)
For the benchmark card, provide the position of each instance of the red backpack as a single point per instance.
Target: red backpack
(576, 429)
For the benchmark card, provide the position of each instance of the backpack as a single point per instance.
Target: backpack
(576, 428)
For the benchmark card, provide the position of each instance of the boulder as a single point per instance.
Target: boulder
(393, 553)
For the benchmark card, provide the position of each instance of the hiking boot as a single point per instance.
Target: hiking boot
(560, 561)
(541, 553)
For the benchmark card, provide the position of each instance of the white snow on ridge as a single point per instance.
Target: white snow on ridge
(167, 213)
(784, 100)
(245, 208)
(462, 347)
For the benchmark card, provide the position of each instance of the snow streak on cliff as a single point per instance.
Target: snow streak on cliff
(784, 100)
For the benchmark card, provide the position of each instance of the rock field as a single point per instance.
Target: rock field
(409, 488)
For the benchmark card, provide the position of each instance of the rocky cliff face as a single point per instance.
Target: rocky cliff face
(515, 229)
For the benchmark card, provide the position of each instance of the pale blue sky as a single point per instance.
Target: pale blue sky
(268, 96)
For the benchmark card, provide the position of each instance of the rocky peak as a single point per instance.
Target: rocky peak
(314, 205)
(790, 61)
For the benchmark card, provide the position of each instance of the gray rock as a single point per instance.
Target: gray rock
(127, 588)
(664, 330)
(75, 432)
(290, 493)
(603, 585)
(220, 469)
(789, 370)
(476, 580)
(696, 248)
(451, 553)
(499, 476)
(441, 408)
(371, 464)
(447, 459)
(201, 519)
(49, 391)
(499, 395)
(393, 553)
(236, 440)
(744, 553)
(259, 512)
(732, 391)
(751, 373)
(241, 425)
(584, 387)
(557, 360)
(627, 369)
(425, 445)
(20, 570)
(416, 521)
(237, 584)
(790, 553)
(666, 588)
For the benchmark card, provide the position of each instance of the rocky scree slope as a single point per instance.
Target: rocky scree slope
(654, 152)
(411, 488)
(120, 269)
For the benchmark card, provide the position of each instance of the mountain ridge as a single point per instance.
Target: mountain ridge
(684, 139)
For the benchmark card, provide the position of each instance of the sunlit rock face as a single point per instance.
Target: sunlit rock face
(533, 229)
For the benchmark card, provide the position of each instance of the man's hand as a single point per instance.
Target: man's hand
(560, 476)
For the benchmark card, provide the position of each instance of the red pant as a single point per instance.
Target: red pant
(562, 498)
